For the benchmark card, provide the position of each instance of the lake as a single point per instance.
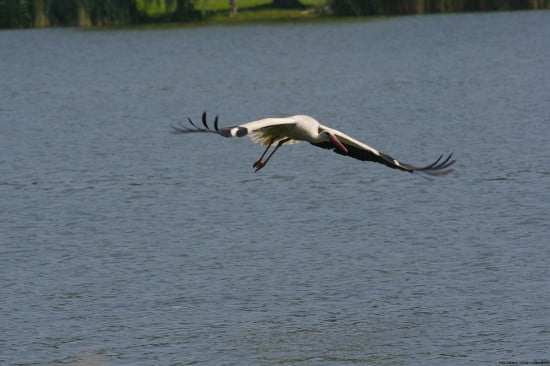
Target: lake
(123, 244)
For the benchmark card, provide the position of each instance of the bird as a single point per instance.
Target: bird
(281, 131)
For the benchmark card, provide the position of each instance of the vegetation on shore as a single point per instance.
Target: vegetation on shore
(85, 13)
(395, 7)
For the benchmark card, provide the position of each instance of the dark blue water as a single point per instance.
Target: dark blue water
(121, 244)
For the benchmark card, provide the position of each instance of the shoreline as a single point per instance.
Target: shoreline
(251, 15)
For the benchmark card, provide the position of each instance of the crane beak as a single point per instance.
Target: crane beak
(338, 144)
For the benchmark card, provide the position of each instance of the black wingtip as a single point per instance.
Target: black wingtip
(204, 120)
(216, 124)
(185, 129)
(181, 128)
(190, 121)
(438, 167)
(176, 130)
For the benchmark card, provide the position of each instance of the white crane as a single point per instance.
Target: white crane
(293, 129)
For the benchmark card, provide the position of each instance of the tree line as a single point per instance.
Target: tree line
(44, 13)
(395, 7)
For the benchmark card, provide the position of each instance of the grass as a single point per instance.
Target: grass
(216, 5)
(248, 10)
(256, 10)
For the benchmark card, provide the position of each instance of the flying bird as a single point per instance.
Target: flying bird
(293, 129)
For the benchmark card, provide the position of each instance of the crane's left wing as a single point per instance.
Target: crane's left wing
(265, 131)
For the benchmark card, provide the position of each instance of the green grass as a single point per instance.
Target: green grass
(214, 5)
(248, 10)
(257, 15)
(155, 8)
(255, 10)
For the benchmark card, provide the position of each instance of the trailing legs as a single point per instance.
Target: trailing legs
(259, 164)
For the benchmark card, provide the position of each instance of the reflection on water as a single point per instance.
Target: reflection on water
(124, 244)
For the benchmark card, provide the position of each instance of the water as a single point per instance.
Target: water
(122, 244)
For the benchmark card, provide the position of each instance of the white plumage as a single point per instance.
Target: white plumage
(293, 129)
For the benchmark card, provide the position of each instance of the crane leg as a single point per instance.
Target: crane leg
(259, 161)
(259, 164)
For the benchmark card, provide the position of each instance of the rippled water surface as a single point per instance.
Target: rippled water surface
(122, 244)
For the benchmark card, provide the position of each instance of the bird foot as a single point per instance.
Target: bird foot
(258, 165)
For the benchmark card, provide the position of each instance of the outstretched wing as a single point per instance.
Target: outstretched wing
(266, 131)
(361, 151)
(226, 131)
